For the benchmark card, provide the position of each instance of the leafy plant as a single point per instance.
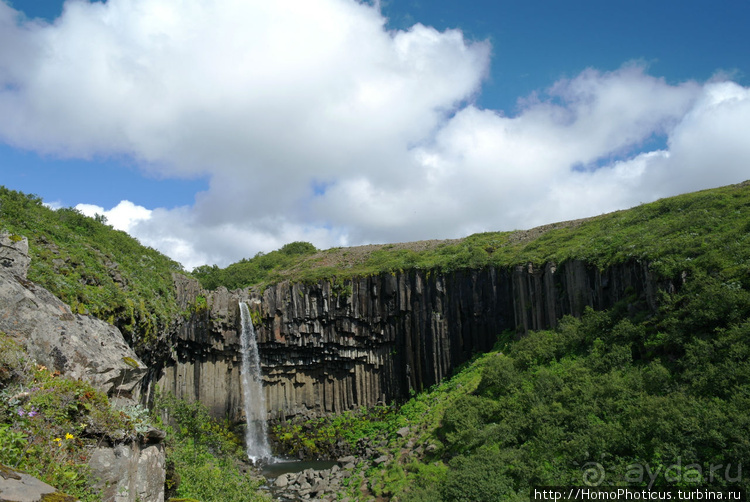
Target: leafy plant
(204, 453)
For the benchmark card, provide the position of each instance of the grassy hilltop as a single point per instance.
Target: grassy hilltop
(705, 230)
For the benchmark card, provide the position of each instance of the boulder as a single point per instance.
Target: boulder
(78, 346)
(282, 481)
(20, 487)
(130, 472)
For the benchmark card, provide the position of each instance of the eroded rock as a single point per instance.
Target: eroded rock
(130, 472)
(78, 346)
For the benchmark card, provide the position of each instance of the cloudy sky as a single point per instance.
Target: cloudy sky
(215, 129)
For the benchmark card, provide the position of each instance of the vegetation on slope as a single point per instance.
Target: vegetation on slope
(605, 400)
(94, 268)
(50, 424)
(204, 455)
(253, 271)
(705, 230)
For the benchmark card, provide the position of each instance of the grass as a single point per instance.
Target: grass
(705, 230)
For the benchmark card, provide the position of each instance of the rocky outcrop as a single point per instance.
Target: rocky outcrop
(130, 472)
(332, 346)
(310, 484)
(14, 254)
(205, 359)
(77, 346)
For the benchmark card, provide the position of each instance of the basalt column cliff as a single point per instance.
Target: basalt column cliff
(331, 346)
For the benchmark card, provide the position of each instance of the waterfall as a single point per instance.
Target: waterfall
(256, 434)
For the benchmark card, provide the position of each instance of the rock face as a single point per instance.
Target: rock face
(205, 361)
(77, 346)
(14, 254)
(130, 472)
(329, 347)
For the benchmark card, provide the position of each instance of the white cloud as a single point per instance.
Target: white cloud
(124, 216)
(313, 122)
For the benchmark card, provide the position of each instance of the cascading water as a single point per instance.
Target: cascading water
(256, 434)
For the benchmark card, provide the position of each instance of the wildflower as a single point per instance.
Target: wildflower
(68, 436)
(20, 412)
(32, 413)
(57, 440)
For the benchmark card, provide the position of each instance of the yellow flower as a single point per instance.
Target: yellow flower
(57, 440)
(68, 436)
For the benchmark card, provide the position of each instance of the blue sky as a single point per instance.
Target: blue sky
(232, 127)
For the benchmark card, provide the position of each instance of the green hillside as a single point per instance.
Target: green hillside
(705, 230)
(603, 401)
(92, 267)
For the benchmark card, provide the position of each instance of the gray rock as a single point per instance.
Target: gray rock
(347, 460)
(403, 432)
(20, 487)
(154, 435)
(14, 254)
(129, 472)
(320, 486)
(282, 481)
(381, 460)
(78, 346)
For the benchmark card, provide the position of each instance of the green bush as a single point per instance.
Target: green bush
(205, 454)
